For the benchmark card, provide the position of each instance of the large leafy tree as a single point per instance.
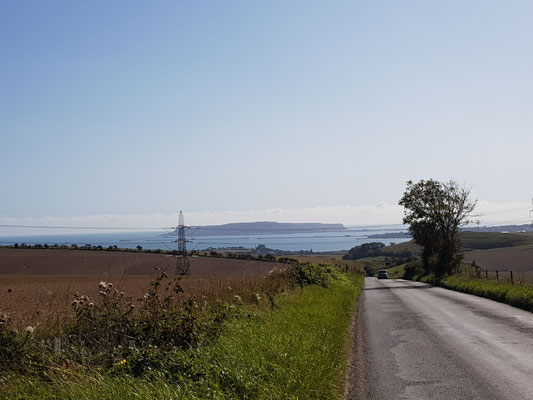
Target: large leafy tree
(435, 211)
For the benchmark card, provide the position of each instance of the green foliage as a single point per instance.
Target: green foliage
(295, 351)
(515, 295)
(304, 274)
(434, 212)
(12, 350)
(413, 269)
(112, 329)
(105, 331)
(365, 250)
(384, 256)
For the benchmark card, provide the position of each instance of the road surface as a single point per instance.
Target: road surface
(415, 341)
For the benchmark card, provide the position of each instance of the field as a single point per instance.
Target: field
(40, 284)
(491, 240)
(239, 331)
(518, 258)
(103, 264)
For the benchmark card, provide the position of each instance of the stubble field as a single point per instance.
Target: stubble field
(38, 285)
(518, 258)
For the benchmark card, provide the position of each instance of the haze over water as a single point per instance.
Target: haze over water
(318, 242)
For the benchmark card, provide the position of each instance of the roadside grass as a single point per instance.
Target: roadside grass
(291, 346)
(520, 296)
(298, 351)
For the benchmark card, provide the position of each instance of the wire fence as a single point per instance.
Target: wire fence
(515, 276)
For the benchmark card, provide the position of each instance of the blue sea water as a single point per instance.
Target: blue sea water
(317, 242)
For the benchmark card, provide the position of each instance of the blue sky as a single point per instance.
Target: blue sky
(136, 108)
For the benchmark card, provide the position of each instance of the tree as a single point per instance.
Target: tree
(435, 211)
(365, 250)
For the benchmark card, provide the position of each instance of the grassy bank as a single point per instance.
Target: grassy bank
(515, 295)
(290, 346)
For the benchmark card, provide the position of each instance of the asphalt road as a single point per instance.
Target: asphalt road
(415, 341)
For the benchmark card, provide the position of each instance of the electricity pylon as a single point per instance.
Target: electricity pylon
(183, 264)
(531, 212)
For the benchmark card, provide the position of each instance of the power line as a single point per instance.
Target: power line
(84, 227)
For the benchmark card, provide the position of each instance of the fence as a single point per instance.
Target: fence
(517, 276)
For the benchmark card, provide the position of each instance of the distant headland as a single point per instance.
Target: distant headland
(262, 228)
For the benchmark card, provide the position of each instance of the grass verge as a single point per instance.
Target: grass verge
(520, 296)
(294, 347)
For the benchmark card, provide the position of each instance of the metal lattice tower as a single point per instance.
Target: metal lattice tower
(531, 212)
(183, 264)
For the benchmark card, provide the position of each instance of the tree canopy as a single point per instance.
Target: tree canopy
(435, 211)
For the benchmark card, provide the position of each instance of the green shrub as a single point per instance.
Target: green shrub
(12, 350)
(311, 274)
(413, 269)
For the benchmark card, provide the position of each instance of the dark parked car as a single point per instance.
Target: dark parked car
(383, 274)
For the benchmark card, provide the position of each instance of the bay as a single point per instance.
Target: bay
(317, 242)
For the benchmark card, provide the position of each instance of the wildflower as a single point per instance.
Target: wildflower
(123, 362)
(238, 298)
(91, 304)
(105, 286)
(29, 329)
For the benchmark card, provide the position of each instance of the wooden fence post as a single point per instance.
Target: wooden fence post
(497, 277)
(511, 272)
(487, 274)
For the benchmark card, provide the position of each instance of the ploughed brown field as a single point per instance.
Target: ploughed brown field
(37, 285)
(518, 258)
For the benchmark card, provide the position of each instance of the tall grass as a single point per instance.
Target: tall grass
(286, 344)
(515, 295)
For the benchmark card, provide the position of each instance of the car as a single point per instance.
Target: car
(383, 274)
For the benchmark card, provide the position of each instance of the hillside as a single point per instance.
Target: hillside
(491, 240)
(262, 228)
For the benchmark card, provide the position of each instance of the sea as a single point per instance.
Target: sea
(316, 242)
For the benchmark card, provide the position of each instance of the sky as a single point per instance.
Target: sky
(279, 110)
